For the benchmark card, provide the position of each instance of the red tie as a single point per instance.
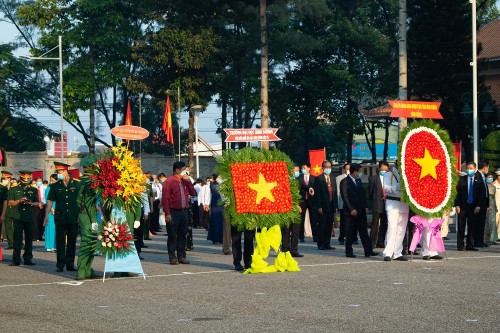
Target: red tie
(330, 190)
(307, 183)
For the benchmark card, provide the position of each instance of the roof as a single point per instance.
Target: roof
(490, 42)
(383, 111)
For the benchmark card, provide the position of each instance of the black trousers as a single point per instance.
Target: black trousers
(357, 223)
(290, 238)
(343, 228)
(154, 217)
(479, 226)
(66, 244)
(325, 226)
(139, 234)
(249, 236)
(378, 229)
(177, 230)
(466, 217)
(196, 214)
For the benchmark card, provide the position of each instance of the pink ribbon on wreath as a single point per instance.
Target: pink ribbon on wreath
(436, 242)
(420, 222)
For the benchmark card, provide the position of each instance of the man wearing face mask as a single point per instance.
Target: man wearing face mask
(64, 193)
(340, 204)
(469, 200)
(175, 200)
(483, 169)
(397, 216)
(6, 212)
(306, 186)
(377, 194)
(324, 192)
(23, 198)
(355, 210)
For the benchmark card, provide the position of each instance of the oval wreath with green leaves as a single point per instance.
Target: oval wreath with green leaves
(427, 165)
(258, 188)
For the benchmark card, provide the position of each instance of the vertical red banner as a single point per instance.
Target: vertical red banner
(316, 158)
(458, 154)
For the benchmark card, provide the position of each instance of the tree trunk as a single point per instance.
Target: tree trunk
(403, 60)
(350, 139)
(113, 139)
(223, 122)
(387, 125)
(92, 109)
(264, 71)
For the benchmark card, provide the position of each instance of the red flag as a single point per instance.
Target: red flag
(36, 173)
(128, 116)
(167, 123)
(458, 154)
(316, 158)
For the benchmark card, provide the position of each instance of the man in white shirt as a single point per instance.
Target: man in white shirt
(204, 198)
(397, 216)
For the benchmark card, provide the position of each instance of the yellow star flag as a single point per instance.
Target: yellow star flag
(428, 165)
(263, 189)
(317, 169)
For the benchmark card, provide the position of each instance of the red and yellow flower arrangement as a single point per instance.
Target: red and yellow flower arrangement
(259, 189)
(427, 168)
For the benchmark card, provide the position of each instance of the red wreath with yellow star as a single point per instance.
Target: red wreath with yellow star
(259, 188)
(427, 163)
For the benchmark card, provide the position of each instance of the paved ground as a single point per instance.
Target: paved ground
(331, 294)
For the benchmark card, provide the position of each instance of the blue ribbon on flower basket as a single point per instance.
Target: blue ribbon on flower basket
(129, 262)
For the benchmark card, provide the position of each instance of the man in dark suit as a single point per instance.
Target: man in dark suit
(377, 194)
(306, 186)
(354, 210)
(483, 169)
(468, 202)
(324, 194)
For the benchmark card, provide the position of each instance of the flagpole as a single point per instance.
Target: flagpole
(179, 112)
(140, 125)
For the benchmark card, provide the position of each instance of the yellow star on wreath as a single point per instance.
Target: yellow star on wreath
(428, 165)
(317, 169)
(263, 189)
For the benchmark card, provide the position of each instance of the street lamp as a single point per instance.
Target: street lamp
(196, 112)
(475, 129)
(60, 87)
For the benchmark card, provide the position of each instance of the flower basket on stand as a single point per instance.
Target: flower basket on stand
(117, 180)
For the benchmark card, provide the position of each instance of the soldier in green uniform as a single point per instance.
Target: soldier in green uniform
(64, 193)
(23, 198)
(6, 212)
(88, 216)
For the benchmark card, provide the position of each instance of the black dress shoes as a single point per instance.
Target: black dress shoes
(183, 261)
(238, 267)
(350, 255)
(372, 254)
(71, 269)
(59, 270)
(402, 258)
(15, 264)
(29, 263)
(470, 248)
(426, 257)
(387, 259)
(329, 247)
(436, 257)
(296, 255)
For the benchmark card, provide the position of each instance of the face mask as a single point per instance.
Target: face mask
(360, 175)
(296, 174)
(219, 180)
(5, 182)
(304, 171)
(327, 171)
(148, 181)
(183, 172)
(60, 176)
(382, 173)
(486, 172)
(187, 173)
(470, 173)
(38, 184)
(489, 180)
(348, 172)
